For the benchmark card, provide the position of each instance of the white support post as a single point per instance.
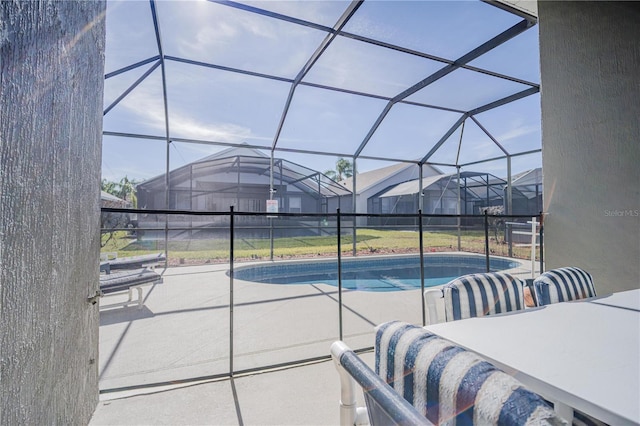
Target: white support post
(534, 235)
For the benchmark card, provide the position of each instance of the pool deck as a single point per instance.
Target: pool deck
(150, 357)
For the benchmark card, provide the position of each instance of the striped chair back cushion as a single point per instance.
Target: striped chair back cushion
(450, 385)
(563, 285)
(477, 295)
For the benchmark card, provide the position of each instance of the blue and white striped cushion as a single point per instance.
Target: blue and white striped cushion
(477, 295)
(450, 385)
(563, 285)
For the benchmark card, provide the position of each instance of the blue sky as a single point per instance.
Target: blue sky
(213, 105)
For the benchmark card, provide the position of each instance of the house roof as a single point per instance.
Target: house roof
(529, 177)
(367, 180)
(527, 182)
(105, 196)
(412, 186)
(476, 188)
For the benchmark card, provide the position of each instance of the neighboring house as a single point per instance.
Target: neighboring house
(108, 200)
(440, 196)
(527, 193)
(371, 183)
(240, 177)
(115, 220)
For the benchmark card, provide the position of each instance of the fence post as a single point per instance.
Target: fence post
(486, 239)
(534, 236)
(510, 238)
(231, 254)
(339, 230)
(541, 244)
(166, 241)
(271, 239)
(421, 235)
(354, 239)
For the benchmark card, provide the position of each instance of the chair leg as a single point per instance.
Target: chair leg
(130, 299)
(563, 410)
(139, 297)
(348, 408)
(432, 298)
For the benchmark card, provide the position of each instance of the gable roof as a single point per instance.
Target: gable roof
(366, 180)
(105, 196)
(476, 189)
(529, 177)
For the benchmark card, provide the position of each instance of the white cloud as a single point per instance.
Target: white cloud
(222, 132)
(516, 132)
(146, 108)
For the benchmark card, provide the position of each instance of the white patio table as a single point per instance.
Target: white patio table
(629, 299)
(583, 354)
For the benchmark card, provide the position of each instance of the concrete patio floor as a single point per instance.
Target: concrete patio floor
(150, 356)
(303, 395)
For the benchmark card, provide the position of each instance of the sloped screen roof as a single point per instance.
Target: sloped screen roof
(284, 171)
(434, 82)
(480, 185)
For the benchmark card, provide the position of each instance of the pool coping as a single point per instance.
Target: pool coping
(517, 271)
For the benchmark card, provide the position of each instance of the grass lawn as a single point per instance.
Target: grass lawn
(368, 241)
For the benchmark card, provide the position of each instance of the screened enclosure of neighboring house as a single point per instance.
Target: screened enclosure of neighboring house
(440, 195)
(242, 178)
(244, 182)
(527, 192)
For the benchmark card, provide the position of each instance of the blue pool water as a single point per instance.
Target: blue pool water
(374, 274)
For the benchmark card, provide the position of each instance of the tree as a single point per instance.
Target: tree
(109, 187)
(125, 189)
(496, 222)
(343, 170)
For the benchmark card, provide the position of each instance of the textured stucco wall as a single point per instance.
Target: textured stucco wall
(590, 65)
(51, 81)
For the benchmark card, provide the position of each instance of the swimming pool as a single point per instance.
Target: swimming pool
(394, 273)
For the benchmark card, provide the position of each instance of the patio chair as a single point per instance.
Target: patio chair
(563, 285)
(450, 385)
(383, 405)
(136, 262)
(474, 295)
(125, 282)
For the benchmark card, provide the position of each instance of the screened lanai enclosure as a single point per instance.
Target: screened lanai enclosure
(230, 115)
(449, 84)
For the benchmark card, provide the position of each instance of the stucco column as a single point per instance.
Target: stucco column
(590, 95)
(51, 84)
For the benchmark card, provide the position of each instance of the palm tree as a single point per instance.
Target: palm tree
(128, 190)
(343, 170)
(110, 222)
(109, 187)
(125, 189)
